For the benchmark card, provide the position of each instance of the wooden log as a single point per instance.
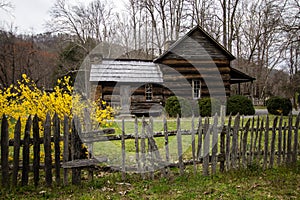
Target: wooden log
(280, 141)
(289, 140)
(166, 136)
(295, 147)
(234, 147)
(193, 144)
(17, 142)
(266, 144)
(123, 151)
(47, 150)
(272, 154)
(245, 142)
(56, 132)
(36, 150)
(214, 145)
(5, 152)
(227, 150)
(66, 147)
(179, 147)
(26, 152)
(206, 146)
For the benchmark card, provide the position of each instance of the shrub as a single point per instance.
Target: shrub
(240, 104)
(205, 106)
(279, 105)
(178, 105)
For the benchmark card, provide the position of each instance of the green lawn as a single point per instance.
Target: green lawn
(253, 183)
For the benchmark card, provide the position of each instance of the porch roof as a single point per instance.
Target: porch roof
(130, 71)
(237, 76)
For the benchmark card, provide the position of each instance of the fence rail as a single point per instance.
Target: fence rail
(239, 143)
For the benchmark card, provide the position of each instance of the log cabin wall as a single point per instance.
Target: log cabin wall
(196, 56)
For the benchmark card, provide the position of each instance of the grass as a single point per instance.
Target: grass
(251, 183)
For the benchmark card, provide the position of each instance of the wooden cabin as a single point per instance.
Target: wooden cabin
(193, 67)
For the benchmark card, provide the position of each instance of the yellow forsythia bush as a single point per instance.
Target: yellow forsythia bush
(25, 98)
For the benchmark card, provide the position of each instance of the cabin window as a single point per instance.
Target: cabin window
(196, 84)
(148, 92)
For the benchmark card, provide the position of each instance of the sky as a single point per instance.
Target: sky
(30, 16)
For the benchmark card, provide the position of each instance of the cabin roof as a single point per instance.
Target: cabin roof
(130, 71)
(186, 38)
(237, 76)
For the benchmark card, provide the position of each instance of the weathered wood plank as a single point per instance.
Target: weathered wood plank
(123, 151)
(143, 148)
(266, 144)
(280, 141)
(227, 150)
(272, 154)
(56, 132)
(295, 147)
(284, 142)
(76, 145)
(251, 150)
(47, 150)
(260, 139)
(4, 152)
(17, 142)
(179, 146)
(66, 147)
(136, 143)
(26, 152)
(206, 146)
(289, 140)
(245, 143)
(256, 151)
(200, 133)
(214, 145)
(193, 144)
(36, 150)
(234, 147)
(166, 136)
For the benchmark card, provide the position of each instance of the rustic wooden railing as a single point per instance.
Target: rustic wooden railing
(240, 143)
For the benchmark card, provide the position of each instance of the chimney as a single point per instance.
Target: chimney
(96, 58)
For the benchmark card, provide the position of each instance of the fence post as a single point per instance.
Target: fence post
(289, 140)
(206, 146)
(193, 145)
(199, 131)
(214, 157)
(279, 141)
(179, 146)
(143, 148)
(234, 149)
(273, 142)
(167, 168)
(136, 142)
(66, 147)
(251, 152)
(260, 139)
(295, 150)
(266, 145)
(76, 145)
(36, 150)
(244, 142)
(17, 143)
(227, 150)
(4, 152)
(56, 130)
(26, 150)
(47, 150)
(123, 151)
(256, 152)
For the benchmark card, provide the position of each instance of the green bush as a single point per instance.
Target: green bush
(178, 105)
(239, 104)
(205, 106)
(279, 105)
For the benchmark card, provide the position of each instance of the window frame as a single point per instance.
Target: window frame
(196, 85)
(149, 94)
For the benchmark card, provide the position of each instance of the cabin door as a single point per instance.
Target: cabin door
(125, 99)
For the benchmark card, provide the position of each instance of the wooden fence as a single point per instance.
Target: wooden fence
(240, 143)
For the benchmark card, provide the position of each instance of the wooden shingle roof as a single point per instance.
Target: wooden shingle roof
(130, 71)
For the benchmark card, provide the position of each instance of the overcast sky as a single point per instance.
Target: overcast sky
(29, 16)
